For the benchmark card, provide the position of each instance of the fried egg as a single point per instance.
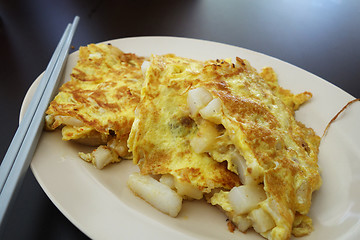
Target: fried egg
(222, 130)
(162, 131)
(96, 107)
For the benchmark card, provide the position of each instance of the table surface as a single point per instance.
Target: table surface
(322, 37)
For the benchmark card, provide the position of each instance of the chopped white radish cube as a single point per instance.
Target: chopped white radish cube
(197, 99)
(205, 138)
(242, 222)
(246, 197)
(157, 194)
(261, 220)
(100, 157)
(185, 189)
(240, 163)
(168, 180)
(212, 111)
(68, 120)
(145, 66)
(120, 147)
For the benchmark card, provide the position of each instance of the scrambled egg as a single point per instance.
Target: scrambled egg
(97, 105)
(230, 133)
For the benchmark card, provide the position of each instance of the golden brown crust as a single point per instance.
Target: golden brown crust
(103, 92)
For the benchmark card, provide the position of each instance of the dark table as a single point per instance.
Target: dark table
(322, 37)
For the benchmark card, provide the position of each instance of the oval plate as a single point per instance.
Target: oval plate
(100, 204)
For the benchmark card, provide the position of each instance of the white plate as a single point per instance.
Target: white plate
(99, 203)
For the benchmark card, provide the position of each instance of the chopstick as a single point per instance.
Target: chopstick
(22, 147)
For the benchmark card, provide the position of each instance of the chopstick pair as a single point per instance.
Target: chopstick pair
(20, 152)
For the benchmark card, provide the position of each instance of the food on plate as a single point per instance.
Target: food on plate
(161, 196)
(96, 107)
(220, 130)
(216, 130)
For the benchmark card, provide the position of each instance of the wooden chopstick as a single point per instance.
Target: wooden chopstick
(20, 152)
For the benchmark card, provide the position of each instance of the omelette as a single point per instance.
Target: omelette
(220, 130)
(96, 107)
